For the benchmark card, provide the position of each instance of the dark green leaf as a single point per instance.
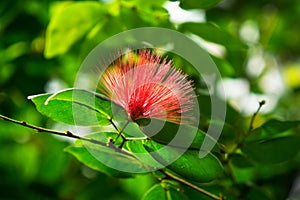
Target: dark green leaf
(258, 193)
(84, 156)
(70, 22)
(240, 161)
(272, 128)
(187, 164)
(274, 150)
(181, 135)
(200, 4)
(275, 126)
(76, 107)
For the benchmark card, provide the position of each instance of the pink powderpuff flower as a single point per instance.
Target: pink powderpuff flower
(147, 86)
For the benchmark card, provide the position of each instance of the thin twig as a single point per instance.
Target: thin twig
(71, 135)
(245, 134)
(261, 103)
(195, 187)
(62, 133)
(120, 131)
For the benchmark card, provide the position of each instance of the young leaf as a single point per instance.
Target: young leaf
(69, 23)
(187, 164)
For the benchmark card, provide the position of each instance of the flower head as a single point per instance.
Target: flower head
(147, 86)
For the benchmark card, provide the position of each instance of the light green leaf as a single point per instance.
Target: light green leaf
(138, 150)
(85, 157)
(155, 193)
(175, 194)
(164, 191)
(200, 4)
(114, 157)
(76, 107)
(69, 23)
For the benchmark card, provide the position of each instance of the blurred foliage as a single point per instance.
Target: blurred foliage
(43, 44)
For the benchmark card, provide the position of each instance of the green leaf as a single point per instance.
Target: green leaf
(235, 49)
(257, 192)
(240, 161)
(187, 164)
(138, 150)
(272, 128)
(164, 191)
(225, 68)
(114, 157)
(156, 192)
(198, 4)
(175, 194)
(104, 158)
(187, 136)
(77, 107)
(212, 33)
(272, 151)
(85, 157)
(69, 23)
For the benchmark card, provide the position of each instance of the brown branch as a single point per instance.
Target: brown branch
(71, 135)
(62, 133)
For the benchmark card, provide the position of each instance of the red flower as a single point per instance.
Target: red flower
(148, 87)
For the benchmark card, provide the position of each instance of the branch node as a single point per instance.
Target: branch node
(110, 142)
(69, 133)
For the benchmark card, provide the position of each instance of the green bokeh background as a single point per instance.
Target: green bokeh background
(34, 166)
